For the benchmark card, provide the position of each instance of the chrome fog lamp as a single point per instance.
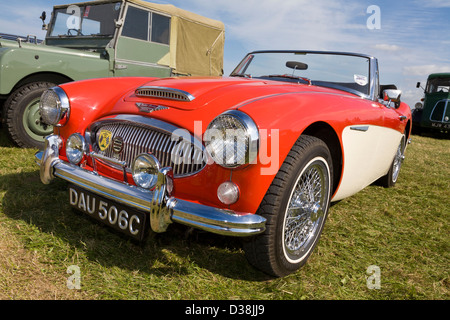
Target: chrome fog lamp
(145, 170)
(54, 107)
(228, 193)
(75, 148)
(232, 139)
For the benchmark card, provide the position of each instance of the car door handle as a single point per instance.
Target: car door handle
(360, 128)
(402, 118)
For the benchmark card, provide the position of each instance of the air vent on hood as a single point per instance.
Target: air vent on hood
(164, 93)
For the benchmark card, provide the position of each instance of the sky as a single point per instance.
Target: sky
(410, 38)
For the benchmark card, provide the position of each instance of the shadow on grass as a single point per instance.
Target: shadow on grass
(178, 251)
(4, 139)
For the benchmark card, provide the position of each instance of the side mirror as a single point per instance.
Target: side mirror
(43, 17)
(392, 95)
(418, 85)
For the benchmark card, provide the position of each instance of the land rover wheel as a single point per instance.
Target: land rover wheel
(22, 116)
(295, 206)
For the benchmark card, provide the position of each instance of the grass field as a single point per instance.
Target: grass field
(403, 232)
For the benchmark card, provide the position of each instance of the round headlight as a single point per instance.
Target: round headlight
(418, 105)
(145, 170)
(232, 139)
(54, 107)
(75, 148)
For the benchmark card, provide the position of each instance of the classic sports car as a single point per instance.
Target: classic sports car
(258, 154)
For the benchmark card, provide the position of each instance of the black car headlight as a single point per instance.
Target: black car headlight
(54, 107)
(232, 139)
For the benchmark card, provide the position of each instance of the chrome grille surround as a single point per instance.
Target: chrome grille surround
(164, 93)
(139, 134)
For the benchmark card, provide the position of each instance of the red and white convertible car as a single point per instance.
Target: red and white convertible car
(259, 154)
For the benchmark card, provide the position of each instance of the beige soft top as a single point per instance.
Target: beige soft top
(196, 42)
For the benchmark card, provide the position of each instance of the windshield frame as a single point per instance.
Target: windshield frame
(64, 10)
(373, 82)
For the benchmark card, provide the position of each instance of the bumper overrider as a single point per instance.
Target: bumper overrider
(161, 208)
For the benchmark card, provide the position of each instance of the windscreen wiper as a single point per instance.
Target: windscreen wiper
(243, 75)
(288, 76)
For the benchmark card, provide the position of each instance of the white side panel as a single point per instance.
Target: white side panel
(368, 154)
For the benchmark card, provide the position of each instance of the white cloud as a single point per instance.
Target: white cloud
(434, 3)
(290, 24)
(423, 70)
(15, 20)
(386, 47)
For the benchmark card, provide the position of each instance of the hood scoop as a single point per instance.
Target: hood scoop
(164, 93)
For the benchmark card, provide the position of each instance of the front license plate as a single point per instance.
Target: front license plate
(121, 218)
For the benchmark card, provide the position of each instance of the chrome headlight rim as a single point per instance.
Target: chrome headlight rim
(75, 153)
(145, 170)
(62, 107)
(252, 139)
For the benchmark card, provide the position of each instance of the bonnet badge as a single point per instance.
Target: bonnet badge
(149, 108)
(104, 139)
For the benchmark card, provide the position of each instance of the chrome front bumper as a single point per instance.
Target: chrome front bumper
(162, 208)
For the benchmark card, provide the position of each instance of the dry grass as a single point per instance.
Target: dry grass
(23, 276)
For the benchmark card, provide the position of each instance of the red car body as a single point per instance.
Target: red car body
(362, 134)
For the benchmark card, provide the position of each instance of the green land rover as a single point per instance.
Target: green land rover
(432, 114)
(104, 38)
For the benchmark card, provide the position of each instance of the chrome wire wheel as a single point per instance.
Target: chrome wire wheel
(296, 207)
(305, 213)
(398, 160)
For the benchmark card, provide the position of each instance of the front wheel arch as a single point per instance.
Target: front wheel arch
(328, 135)
(50, 77)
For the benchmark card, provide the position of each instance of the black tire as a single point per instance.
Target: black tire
(416, 116)
(22, 118)
(283, 248)
(390, 179)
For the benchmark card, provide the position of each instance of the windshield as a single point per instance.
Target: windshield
(340, 71)
(438, 85)
(86, 21)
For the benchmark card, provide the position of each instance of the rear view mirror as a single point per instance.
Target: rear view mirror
(392, 95)
(418, 85)
(296, 65)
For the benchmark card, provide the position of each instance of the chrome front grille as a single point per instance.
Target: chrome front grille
(128, 140)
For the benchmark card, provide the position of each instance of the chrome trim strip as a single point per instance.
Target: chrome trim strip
(162, 208)
(139, 63)
(360, 128)
(97, 156)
